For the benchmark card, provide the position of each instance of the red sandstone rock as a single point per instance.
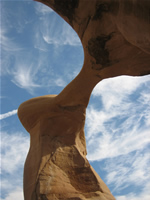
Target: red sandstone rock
(115, 38)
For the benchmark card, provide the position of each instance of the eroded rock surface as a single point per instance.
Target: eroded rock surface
(116, 38)
(56, 166)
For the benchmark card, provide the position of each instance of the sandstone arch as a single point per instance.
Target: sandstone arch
(56, 165)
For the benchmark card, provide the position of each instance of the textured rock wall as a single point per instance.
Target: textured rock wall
(115, 37)
(56, 166)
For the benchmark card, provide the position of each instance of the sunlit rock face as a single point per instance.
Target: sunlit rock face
(116, 38)
(56, 166)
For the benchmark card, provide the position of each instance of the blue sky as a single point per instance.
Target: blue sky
(41, 54)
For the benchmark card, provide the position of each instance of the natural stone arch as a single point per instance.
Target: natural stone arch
(56, 166)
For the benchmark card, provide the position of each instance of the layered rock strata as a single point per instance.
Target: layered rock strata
(115, 38)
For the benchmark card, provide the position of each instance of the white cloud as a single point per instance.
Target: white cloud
(114, 90)
(8, 114)
(16, 194)
(14, 148)
(121, 125)
(118, 135)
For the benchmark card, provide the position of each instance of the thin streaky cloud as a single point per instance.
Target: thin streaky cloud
(106, 138)
(8, 44)
(130, 169)
(8, 114)
(105, 147)
(143, 195)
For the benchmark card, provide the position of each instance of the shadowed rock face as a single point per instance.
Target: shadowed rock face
(116, 39)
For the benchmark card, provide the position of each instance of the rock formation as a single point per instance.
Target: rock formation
(116, 39)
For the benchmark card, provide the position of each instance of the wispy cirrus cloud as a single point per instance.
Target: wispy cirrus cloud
(42, 9)
(64, 35)
(7, 43)
(130, 169)
(8, 114)
(9, 50)
(144, 194)
(31, 67)
(54, 30)
(17, 61)
(24, 75)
